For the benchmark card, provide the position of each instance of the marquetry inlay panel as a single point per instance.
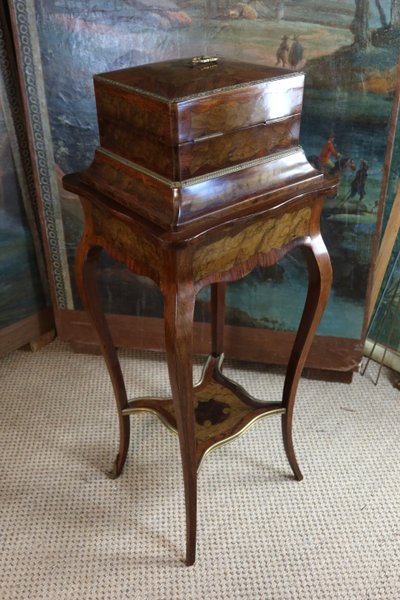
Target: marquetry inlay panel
(258, 238)
(121, 236)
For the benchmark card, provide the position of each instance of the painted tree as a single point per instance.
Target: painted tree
(394, 14)
(395, 20)
(280, 9)
(382, 15)
(360, 25)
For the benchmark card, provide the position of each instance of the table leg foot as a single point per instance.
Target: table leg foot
(123, 447)
(289, 447)
(191, 555)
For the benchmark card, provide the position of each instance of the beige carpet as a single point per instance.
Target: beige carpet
(67, 531)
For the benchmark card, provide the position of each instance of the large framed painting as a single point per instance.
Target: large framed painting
(348, 51)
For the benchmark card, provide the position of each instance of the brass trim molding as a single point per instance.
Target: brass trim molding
(231, 438)
(102, 79)
(195, 180)
(238, 434)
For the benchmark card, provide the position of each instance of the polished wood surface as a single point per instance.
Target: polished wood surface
(183, 262)
(215, 186)
(203, 155)
(182, 121)
(213, 199)
(176, 80)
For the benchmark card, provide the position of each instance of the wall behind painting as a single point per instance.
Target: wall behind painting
(349, 91)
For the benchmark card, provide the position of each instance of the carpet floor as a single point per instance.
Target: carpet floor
(68, 531)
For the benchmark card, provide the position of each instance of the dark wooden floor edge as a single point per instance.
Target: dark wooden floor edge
(26, 331)
(331, 358)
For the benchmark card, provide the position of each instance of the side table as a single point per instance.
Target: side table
(211, 251)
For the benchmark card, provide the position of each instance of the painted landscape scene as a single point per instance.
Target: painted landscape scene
(347, 50)
(21, 288)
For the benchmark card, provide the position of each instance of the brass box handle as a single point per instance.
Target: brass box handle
(204, 60)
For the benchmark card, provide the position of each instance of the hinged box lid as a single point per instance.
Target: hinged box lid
(184, 118)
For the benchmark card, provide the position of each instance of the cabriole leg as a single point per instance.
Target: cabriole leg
(85, 272)
(319, 284)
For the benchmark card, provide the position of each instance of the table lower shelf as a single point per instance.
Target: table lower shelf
(223, 409)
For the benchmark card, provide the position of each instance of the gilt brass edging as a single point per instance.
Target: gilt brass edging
(231, 438)
(235, 436)
(141, 409)
(130, 88)
(201, 178)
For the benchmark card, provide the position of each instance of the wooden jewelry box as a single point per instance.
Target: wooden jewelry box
(189, 139)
